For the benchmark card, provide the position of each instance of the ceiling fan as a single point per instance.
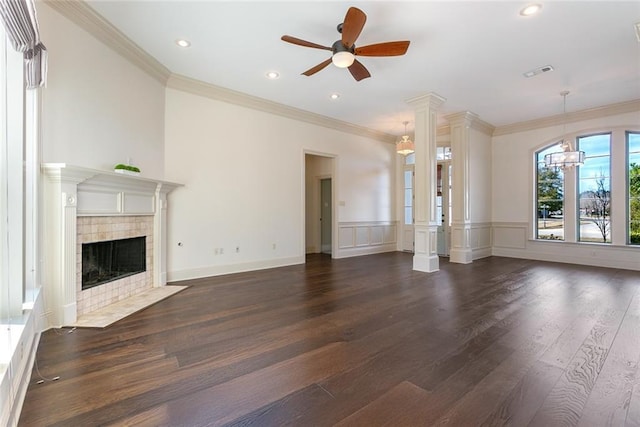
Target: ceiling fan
(345, 51)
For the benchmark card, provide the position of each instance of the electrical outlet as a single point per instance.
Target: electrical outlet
(273, 246)
(216, 251)
(237, 249)
(221, 251)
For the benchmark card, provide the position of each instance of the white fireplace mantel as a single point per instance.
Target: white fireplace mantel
(72, 191)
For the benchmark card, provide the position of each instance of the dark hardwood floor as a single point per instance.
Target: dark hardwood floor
(359, 342)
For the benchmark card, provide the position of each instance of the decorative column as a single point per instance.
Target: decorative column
(459, 125)
(160, 233)
(426, 227)
(60, 233)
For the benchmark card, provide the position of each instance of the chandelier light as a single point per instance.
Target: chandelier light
(568, 157)
(405, 145)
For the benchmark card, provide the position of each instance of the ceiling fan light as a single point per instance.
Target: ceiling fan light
(343, 59)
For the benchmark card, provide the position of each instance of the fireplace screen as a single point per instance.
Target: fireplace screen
(111, 260)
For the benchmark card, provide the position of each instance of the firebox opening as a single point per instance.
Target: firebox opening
(104, 262)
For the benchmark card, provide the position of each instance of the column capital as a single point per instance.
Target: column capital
(466, 118)
(470, 120)
(431, 100)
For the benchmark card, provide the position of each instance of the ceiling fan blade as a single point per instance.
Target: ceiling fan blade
(304, 43)
(320, 66)
(384, 49)
(352, 26)
(358, 71)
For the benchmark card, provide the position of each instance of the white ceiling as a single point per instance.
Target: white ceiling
(473, 53)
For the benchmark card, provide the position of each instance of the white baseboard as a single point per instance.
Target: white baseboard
(603, 259)
(218, 270)
(366, 250)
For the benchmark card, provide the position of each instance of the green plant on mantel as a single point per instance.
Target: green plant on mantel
(126, 167)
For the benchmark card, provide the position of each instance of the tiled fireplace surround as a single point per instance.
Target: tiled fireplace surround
(103, 228)
(86, 205)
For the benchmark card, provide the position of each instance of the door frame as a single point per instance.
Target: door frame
(334, 197)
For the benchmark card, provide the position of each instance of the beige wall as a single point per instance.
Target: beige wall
(244, 176)
(513, 186)
(98, 108)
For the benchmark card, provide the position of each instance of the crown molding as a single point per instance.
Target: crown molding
(200, 88)
(83, 15)
(589, 114)
(474, 123)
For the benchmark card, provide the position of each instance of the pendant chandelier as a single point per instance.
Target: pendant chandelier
(405, 145)
(568, 157)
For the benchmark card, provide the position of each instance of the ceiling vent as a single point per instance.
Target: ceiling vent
(540, 70)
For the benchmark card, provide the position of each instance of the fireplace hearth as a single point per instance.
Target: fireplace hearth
(111, 260)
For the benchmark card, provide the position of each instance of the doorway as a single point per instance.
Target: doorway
(325, 215)
(319, 204)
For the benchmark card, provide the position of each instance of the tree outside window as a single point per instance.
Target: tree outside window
(549, 198)
(594, 189)
(633, 176)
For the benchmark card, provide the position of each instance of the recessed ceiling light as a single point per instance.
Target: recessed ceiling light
(272, 75)
(183, 43)
(334, 96)
(531, 9)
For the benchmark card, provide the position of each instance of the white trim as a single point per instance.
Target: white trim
(15, 378)
(577, 116)
(84, 16)
(218, 270)
(207, 90)
(607, 256)
(365, 238)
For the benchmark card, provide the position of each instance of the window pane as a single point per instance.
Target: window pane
(408, 179)
(633, 177)
(549, 198)
(594, 189)
(408, 197)
(410, 159)
(408, 215)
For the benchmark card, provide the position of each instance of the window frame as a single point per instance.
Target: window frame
(538, 158)
(627, 197)
(609, 177)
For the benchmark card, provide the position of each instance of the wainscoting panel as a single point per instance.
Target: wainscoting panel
(511, 239)
(480, 240)
(510, 235)
(362, 238)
